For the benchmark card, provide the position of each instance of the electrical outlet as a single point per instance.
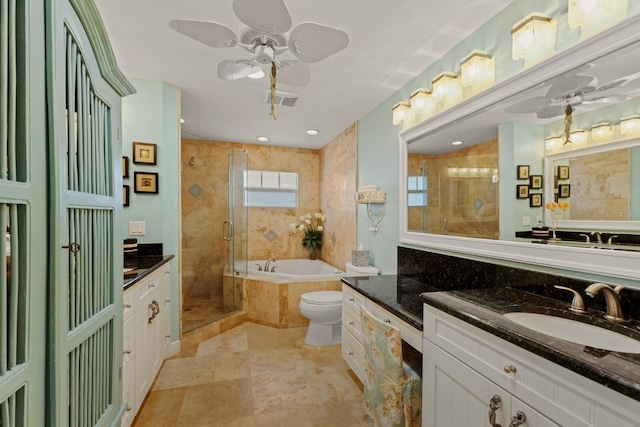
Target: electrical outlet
(526, 221)
(539, 219)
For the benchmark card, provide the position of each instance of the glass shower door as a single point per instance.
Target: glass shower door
(236, 227)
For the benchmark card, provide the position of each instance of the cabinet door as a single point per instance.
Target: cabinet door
(165, 316)
(456, 395)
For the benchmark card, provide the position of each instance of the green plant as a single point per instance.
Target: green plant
(311, 226)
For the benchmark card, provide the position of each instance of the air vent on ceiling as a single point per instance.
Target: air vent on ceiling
(285, 99)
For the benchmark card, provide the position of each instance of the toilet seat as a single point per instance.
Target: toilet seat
(322, 297)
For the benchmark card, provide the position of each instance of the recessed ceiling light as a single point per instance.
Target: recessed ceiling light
(182, 120)
(456, 143)
(313, 131)
(262, 138)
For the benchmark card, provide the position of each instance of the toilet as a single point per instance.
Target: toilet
(324, 311)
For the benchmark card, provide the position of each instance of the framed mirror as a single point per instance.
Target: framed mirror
(445, 207)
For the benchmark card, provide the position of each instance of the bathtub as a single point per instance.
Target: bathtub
(273, 299)
(291, 269)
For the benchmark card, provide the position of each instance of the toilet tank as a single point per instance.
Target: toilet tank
(352, 270)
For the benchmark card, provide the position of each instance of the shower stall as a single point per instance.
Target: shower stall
(214, 233)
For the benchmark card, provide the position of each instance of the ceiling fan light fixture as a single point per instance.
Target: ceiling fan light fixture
(477, 71)
(630, 125)
(401, 113)
(312, 131)
(422, 105)
(602, 132)
(533, 37)
(258, 74)
(594, 15)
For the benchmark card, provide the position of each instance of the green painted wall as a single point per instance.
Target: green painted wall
(378, 138)
(153, 115)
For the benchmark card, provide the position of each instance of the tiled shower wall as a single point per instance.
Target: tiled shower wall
(204, 195)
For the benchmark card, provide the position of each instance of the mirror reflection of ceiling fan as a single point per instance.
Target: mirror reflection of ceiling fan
(266, 37)
(573, 90)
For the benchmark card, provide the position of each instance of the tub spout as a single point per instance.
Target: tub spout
(266, 264)
(259, 267)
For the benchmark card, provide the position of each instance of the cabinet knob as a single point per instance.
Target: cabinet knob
(518, 419)
(167, 336)
(128, 408)
(127, 306)
(352, 323)
(167, 300)
(152, 285)
(350, 353)
(510, 369)
(388, 321)
(127, 351)
(167, 272)
(352, 299)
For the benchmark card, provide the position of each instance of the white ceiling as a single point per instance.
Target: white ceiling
(390, 43)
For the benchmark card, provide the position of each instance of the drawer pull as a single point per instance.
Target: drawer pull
(167, 336)
(127, 306)
(128, 408)
(352, 300)
(167, 272)
(494, 404)
(167, 300)
(518, 419)
(126, 352)
(388, 321)
(350, 353)
(152, 285)
(352, 324)
(510, 369)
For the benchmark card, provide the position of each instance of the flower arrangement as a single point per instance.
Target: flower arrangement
(312, 228)
(552, 206)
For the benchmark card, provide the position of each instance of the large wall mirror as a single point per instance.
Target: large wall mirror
(468, 196)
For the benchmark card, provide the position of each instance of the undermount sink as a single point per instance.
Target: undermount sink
(575, 331)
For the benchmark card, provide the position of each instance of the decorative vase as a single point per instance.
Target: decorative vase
(313, 254)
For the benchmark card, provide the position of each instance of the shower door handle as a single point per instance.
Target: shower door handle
(227, 230)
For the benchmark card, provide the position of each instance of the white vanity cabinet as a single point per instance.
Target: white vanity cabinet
(352, 347)
(464, 367)
(146, 337)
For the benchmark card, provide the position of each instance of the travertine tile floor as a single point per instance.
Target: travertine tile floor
(199, 311)
(255, 376)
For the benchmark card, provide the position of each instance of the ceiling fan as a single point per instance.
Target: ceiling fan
(572, 90)
(266, 37)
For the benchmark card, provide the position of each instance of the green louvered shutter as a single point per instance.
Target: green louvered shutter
(86, 388)
(23, 212)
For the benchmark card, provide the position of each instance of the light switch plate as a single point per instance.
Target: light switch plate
(137, 228)
(526, 220)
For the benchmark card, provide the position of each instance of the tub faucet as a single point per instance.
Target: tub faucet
(612, 297)
(597, 235)
(266, 264)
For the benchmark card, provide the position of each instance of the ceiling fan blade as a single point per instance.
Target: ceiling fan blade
(267, 16)
(572, 83)
(294, 73)
(530, 105)
(606, 99)
(209, 33)
(234, 69)
(618, 82)
(313, 42)
(550, 111)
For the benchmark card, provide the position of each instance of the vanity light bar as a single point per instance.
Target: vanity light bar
(630, 125)
(401, 112)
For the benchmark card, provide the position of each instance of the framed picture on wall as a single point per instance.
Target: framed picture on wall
(145, 153)
(563, 172)
(564, 191)
(125, 167)
(125, 195)
(535, 200)
(535, 181)
(522, 191)
(145, 182)
(523, 171)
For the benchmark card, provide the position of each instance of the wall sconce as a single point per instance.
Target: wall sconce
(601, 132)
(630, 125)
(533, 38)
(594, 15)
(477, 71)
(422, 105)
(447, 89)
(578, 138)
(401, 112)
(552, 143)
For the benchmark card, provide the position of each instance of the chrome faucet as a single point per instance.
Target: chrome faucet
(266, 264)
(610, 241)
(587, 237)
(612, 297)
(597, 235)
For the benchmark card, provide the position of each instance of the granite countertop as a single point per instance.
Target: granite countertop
(146, 266)
(400, 295)
(483, 308)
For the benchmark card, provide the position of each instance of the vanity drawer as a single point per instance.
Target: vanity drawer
(351, 321)
(353, 353)
(408, 333)
(145, 287)
(352, 299)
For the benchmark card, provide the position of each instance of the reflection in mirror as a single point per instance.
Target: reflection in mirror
(456, 192)
(598, 182)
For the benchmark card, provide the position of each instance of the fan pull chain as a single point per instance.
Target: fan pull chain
(273, 90)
